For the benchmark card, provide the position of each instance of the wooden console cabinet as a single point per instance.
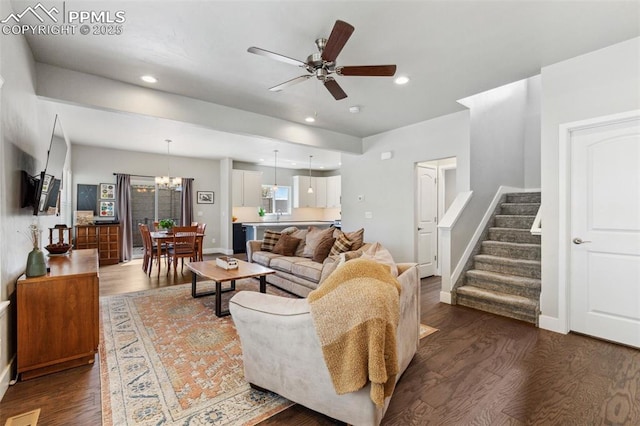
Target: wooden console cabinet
(106, 238)
(58, 315)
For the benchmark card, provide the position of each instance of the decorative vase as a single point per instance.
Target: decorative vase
(35, 264)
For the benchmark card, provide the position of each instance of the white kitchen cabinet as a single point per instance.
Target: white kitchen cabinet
(334, 191)
(246, 188)
(319, 185)
(301, 196)
(326, 192)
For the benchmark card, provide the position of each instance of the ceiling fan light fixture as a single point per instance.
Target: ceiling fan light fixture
(149, 79)
(401, 80)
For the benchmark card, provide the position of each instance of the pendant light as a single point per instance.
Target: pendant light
(275, 171)
(310, 190)
(167, 182)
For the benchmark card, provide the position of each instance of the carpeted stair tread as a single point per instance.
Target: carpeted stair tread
(517, 221)
(515, 250)
(508, 265)
(520, 208)
(497, 297)
(514, 280)
(518, 307)
(513, 235)
(524, 197)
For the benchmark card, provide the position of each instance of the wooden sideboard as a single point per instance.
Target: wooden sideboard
(106, 238)
(58, 315)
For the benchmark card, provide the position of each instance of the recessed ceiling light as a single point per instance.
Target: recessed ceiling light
(293, 164)
(262, 159)
(322, 167)
(149, 79)
(403, 79)
(354, 109)
(309, 119)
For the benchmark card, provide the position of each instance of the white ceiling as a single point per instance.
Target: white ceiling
(450, 50)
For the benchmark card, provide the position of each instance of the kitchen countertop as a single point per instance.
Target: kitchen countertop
(289, 223)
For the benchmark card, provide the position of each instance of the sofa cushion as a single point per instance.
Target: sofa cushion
(356, 237)
(264, 258)
(269, 240)
(307, 269)
(286, 245)
(302, 234)
(313, 238)
(342, 244)
(285, 263)
(322, 250)
(290, 230)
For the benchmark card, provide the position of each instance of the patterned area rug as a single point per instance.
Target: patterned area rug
(426, 330)
(165, 358)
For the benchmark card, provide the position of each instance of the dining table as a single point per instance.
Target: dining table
(161, 238)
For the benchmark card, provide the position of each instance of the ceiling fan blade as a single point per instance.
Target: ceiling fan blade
(276, 56)
(288, 83)
(334, 88)
(368, 70)
(337, 39)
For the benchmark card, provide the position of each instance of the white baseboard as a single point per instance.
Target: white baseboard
(445, 297)
(552, 324)
(5, 377)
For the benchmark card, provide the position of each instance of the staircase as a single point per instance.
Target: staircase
(504, 278)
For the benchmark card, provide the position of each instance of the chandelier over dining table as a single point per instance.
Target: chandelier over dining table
(168, 182)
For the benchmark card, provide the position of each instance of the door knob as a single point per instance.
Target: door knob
(579, 241)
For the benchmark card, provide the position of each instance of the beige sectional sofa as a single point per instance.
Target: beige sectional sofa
(281, 350)
(295, 274)
(299, 273)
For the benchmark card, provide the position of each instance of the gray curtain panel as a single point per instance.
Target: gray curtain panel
(123, 201)
(186, 202)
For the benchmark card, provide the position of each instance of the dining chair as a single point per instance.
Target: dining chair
(145, 259)
(156, 225)
(200, 240)
(150, 250)
(182, 245)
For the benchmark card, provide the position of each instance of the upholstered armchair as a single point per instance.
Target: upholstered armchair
(282, 352)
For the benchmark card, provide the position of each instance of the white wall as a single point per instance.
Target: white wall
(532, 133)
(599, 83)
(501, 127)
(24, 144)
(92, 165)
(388, 186)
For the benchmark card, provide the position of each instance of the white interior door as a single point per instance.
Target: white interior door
(605, 232)
(427, 220)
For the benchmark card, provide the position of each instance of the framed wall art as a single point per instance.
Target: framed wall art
(87, 197)
(107, 209)
(107, 191)
(205, 197)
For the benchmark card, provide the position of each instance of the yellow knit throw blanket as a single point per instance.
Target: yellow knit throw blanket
(355, 312)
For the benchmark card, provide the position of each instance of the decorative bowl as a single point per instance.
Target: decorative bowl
(58, 248)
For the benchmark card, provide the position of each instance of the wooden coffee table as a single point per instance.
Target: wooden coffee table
(209, 270)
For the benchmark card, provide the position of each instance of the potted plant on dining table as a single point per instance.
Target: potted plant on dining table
(166, 224)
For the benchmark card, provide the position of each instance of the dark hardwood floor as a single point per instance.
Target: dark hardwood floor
(479, 369)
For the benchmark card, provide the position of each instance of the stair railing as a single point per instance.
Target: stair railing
(536, 228)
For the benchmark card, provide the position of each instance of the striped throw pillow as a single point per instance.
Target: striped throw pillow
(269, 240)
(342, 244)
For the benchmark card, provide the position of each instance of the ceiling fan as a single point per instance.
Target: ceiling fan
(323, 64)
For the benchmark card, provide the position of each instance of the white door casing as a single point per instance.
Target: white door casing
(604, 256)
(427, 212)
